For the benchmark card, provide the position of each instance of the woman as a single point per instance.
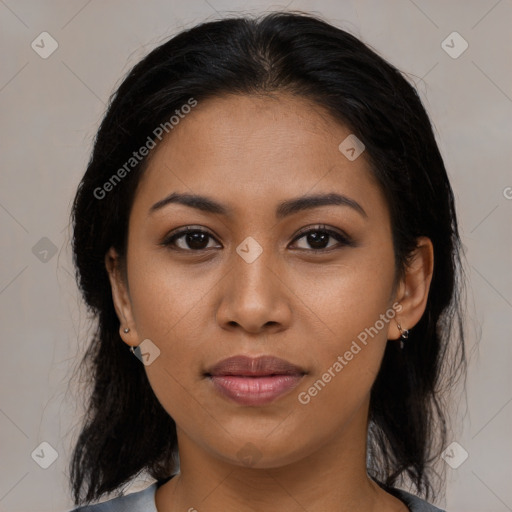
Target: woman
(266, 223)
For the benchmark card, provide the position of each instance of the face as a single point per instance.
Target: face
(260, 279)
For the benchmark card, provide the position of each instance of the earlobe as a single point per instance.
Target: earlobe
(120, 297)
(414, 288)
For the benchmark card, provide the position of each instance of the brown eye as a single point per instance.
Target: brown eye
(318, 239)
(188, 240)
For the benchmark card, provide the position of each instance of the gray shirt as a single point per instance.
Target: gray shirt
(144, 501)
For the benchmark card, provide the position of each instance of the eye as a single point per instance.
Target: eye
(188, 239)
(194, 240)
(318, 237)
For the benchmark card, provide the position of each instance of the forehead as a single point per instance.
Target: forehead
(248, 150)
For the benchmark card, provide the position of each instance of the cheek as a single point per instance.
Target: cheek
(346, 365)
(347, 297)
(351, 304)
(170, 308)
(167, 299)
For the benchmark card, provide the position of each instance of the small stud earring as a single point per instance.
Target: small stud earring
(126, 329)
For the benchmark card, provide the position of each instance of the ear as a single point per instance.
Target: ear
(121, 297)
(412, 293)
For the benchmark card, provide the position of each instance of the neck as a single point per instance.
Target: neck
(332, 478)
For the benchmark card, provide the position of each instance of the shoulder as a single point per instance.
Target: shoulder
(414, 503)
(141, 501)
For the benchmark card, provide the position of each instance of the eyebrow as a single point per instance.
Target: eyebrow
(284, 209)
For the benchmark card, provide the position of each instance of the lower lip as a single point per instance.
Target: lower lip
(254, 390)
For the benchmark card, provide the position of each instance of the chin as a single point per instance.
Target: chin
(260, 452)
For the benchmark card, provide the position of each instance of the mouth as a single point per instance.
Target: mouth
(254, 381)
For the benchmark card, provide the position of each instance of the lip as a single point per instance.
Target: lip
(254, 381)
(254, 367)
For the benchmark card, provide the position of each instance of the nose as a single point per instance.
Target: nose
(255, 296)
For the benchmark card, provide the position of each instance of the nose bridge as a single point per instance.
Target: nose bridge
(253, 277)
(254, 295)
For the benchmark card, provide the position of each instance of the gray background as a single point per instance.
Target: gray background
(51, 109)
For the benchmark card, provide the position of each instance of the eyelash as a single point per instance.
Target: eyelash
(341, 238)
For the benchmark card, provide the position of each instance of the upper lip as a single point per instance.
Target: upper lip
(254, 366)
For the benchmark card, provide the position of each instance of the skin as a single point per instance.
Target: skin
(250, 153)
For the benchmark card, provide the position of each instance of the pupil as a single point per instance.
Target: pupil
(196, 240)
(317, 240)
